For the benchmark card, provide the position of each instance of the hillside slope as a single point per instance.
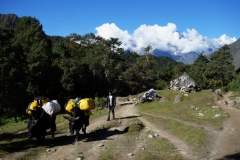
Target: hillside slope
(235, 52)
(7, 21)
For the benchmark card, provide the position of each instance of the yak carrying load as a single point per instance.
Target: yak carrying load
(79, 111)
(43, 116)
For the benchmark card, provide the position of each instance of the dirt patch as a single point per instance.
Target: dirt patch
(228, 144)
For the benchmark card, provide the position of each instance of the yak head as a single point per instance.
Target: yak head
(32, 128)
(33, 121)
(73, 119)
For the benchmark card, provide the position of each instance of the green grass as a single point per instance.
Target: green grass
(136, 141)
(135, 126)
(165, 113)
(188, 109)
(234, 94)
(159, 148)
(171, 116)
(108, 154)
(98, 112)
(192, 135)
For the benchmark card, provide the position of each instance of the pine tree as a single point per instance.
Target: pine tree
(220, 70)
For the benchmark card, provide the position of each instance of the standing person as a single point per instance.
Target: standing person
(110, 104)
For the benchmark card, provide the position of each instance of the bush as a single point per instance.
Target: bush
(161, 85)
(100, 102)
(235, 84)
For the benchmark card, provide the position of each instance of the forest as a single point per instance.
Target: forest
(35, 64)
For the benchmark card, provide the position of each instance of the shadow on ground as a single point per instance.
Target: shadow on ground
(235, 156)
(11, 143)
(103, 132)
(128, 117)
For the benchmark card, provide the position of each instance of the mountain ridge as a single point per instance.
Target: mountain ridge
(7, 21)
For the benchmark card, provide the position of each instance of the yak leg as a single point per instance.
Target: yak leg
(84, 128)
(86, 123)
(77, 134)
(53, 125)
(40, 137)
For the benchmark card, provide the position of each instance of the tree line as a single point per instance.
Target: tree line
(34, 64)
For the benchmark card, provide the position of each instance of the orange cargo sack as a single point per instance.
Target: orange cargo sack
(86, 104)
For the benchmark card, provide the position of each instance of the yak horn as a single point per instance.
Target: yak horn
(66, 117)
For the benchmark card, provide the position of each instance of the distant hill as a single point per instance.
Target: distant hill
(186, 58)
(7, 21)
(235, 52)
(190, 57)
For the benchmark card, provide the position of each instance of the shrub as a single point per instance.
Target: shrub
(100, 102)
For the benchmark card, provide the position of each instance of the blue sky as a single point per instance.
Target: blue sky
(128, 19)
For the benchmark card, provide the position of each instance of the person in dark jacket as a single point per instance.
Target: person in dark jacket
(110, 104)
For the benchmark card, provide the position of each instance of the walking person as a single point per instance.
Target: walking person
(110, 104)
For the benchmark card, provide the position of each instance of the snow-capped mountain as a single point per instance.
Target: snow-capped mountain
(224, 39)
(165, 40)
(189, 57)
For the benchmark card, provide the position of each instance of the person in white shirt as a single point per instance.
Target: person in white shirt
(110, 104)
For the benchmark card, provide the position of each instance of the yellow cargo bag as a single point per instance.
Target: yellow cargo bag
(41, 100)
(32, 107)
(37, 102)
(86, 104)
(70, 105)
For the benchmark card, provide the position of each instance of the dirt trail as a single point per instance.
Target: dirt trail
(123, 114)
(228, 142)
(223, 144)
(180, 145)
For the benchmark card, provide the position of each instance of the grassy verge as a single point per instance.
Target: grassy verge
(159, 148)
(197, 107)
(192, 135)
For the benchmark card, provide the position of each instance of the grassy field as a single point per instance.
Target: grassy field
(188, 109)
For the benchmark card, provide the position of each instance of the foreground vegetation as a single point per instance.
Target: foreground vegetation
(181, 119)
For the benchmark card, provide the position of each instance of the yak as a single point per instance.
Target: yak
(77, 120)
(39, 123)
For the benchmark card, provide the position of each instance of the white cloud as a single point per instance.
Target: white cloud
(111, 30)
(165, 38)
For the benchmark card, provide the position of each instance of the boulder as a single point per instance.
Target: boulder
(184, 83)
